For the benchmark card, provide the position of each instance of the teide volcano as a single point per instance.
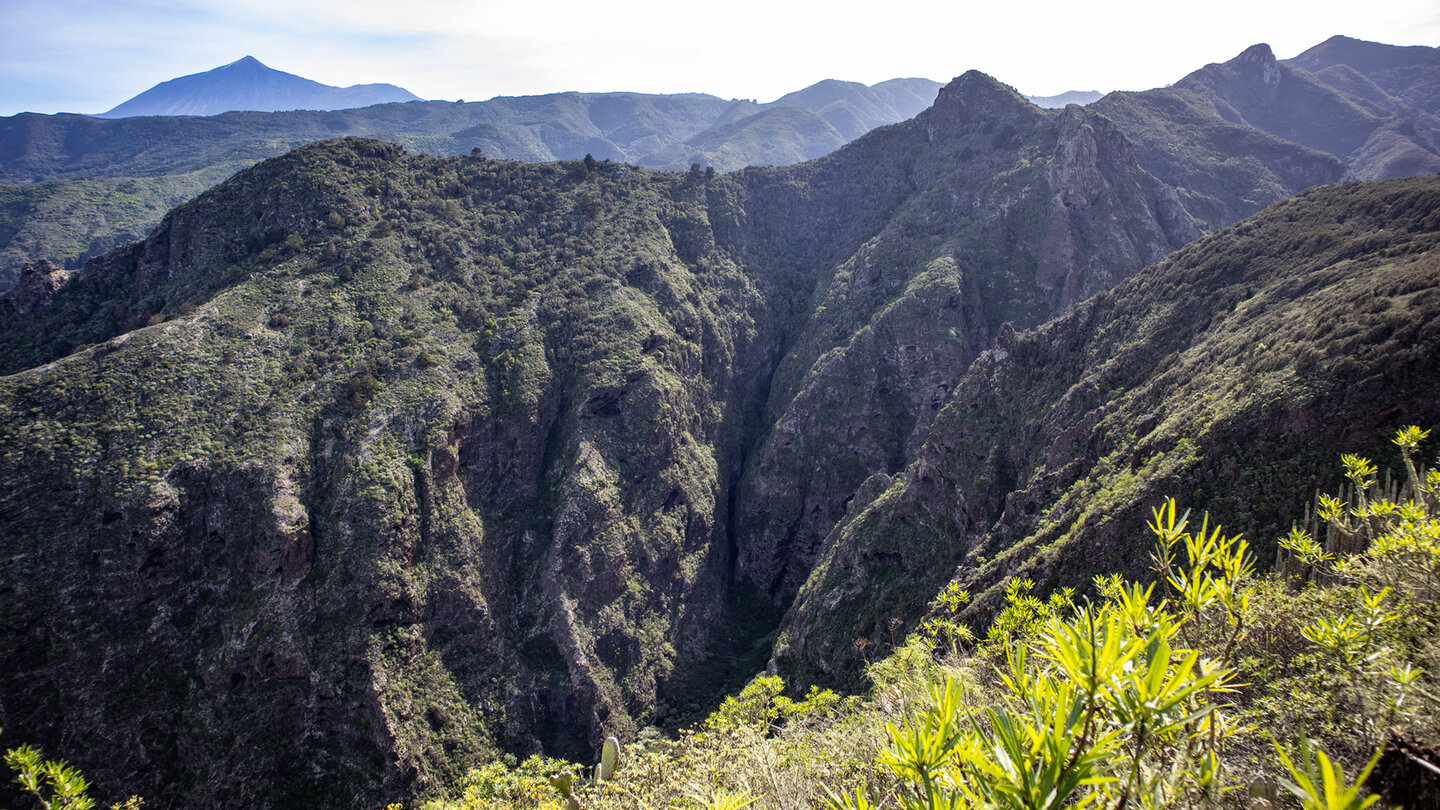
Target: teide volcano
(365, 466)
(246, 84)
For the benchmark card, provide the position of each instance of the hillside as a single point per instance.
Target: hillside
(153, 158)
(246, 84)
(1013, 218)
(1404, 73)
(1230, 138)
(70, 221)
(1395, 140)
(365, 466)
(1232, 374)
(471, 431)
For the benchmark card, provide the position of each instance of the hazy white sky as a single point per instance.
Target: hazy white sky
(89, 55)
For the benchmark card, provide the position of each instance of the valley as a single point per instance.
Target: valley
(367, 467)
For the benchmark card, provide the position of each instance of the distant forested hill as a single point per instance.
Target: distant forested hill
(158, 158)
(366, 466)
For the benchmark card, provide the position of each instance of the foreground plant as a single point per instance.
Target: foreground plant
(55, 784)
(1320, 784)
(1104, 707)
(1123, 702)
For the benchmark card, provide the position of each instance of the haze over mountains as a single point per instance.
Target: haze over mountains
(63, 171)
(367, 466)
(246, 84)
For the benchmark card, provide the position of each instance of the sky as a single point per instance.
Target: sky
(90, 55)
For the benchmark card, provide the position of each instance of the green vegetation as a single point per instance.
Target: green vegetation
(1209, 374)
(78, 185)
(1208, 682)
(366, 468)
(54, 784)
(69, 221)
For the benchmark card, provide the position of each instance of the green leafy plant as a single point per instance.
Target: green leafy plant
(1320, 784)
(55, 784)
(1101, 705)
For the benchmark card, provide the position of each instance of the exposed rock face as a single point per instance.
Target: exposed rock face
(317, 537)
(1230, 375)
(364, 466)
(988, 239)
(36, 287)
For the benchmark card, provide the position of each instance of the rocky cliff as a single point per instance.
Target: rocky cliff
(367, 466)
(1228, 376)
(1016, 215)
(417, 461)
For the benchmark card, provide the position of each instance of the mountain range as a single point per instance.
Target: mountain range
(368, 466)
(62, 199)
(74, 186)
(246, 84)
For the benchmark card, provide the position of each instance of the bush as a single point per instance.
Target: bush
(1136, 699)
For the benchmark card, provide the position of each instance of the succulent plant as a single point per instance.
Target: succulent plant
(609, 760)
(565, 781)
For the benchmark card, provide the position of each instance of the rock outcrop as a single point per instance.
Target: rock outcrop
(365, 467)
(36, 287)
(1230, 375)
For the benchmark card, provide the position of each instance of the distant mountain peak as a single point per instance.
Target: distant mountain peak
(1065, 99)
(1258, 54)
(978, 91)
(244, 63)
(248, 84)
(1256, 64)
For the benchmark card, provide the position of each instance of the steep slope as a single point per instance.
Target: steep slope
(418, 461)
(246, 84)
(854, 109)
(1257, 90)
(1409, 73)
(1229, 375)
(369, 466)
(1015, 214)
(449, 447)
(69, 221)
(1222, 170)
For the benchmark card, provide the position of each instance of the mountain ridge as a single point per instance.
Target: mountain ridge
(1193, 135)
(248, 85)
(87, 161)
(602, 344)
(1054, 444)
(366, 466)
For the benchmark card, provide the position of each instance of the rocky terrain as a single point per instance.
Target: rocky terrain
(1231, 374)
(366, 466)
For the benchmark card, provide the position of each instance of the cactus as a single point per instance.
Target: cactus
(565, 782)
(609, 759)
